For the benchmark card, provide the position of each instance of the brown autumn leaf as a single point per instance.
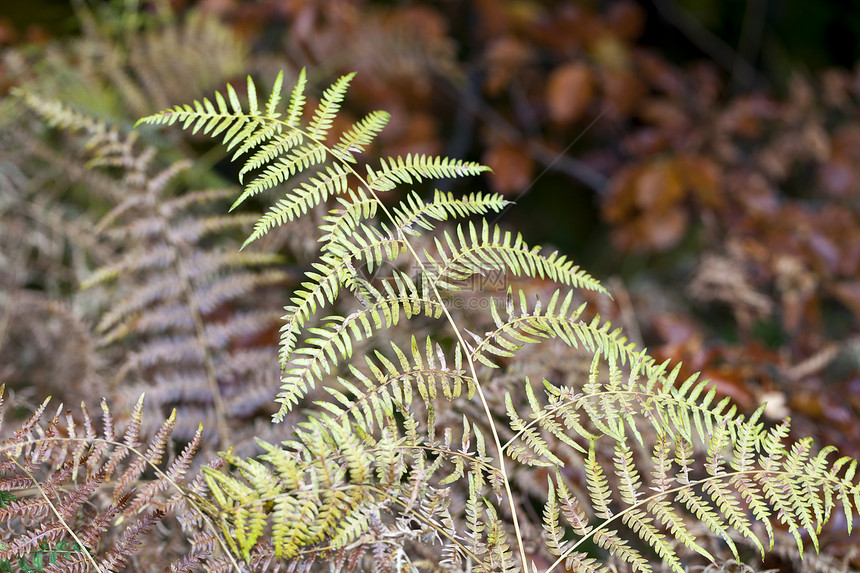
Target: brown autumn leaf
(570, 90)
(512, 165)
(703, 179)
(620, 202)
(504, 58)
(626, 19)
(658, 187)
(622, 92)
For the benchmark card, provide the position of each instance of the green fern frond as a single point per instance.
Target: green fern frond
(535, 442)
(332, 271)
(621, 549)
(389, 387)
(332, 181)
(494, 250)
(365, 464)
(415, 168)
(360, 136)
(297, 99)
(296, 160)
(329, 105)
(334, 340)
(333, 511)
(357, 207)
(367, 245)
(414, 211)
(277, 144)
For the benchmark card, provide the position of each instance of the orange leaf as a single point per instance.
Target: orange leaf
(512, 166)
(622, 91)
(658, 187)
(702, 178)
(570, 89)
(626, 19)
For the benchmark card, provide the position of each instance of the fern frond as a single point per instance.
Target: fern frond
(390, 385)
(335, 338)
(414, 211)
(498, 547)
(457, 260)
(41, 466)
(364, 472)
(335, 269)
(276, 144)
(360, 135)
(415, 168)
(598, 485)
(340, 222)
(332, 181)
(552, 528)
(329, 105)
(620, 549)
(296, 160)
(537, 447)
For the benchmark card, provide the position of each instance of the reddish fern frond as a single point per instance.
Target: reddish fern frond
(118, 554)
(46, 532)
(49, 507)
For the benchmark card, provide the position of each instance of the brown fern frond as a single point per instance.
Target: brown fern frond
(73, 489)
(183, 308)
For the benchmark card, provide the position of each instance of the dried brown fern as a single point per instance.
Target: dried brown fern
(83, 494)
(181, 314)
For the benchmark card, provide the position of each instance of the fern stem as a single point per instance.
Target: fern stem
(58, 516)
(644, 501)
(200, 332)
(190, 497)
(462, 342)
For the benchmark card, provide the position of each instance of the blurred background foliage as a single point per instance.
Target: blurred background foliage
(701, 156)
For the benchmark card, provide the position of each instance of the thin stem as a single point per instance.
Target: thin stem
(457, 333)
(188, 495)
(203, 339)
(62, 521)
